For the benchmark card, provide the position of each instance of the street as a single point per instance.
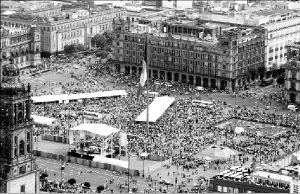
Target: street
(96, 178)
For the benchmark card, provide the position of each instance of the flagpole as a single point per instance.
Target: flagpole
(147, 69)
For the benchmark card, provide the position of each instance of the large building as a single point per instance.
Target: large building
(18, 170)
(292, 73)
(195, 57)
(21, 44)
(241, 180)
(283, 27)
(67, 27)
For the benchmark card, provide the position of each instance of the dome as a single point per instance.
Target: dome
(11, 70)
(11, 77)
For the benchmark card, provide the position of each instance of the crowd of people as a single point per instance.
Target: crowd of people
(182, 132)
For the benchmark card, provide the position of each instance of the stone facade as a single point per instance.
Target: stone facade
(18, 171)
(57, 31)
(292, 73)
(222, 63)
(22, 45)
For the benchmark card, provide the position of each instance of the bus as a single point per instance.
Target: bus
(202, 103)
(151, 94)
(91, 115)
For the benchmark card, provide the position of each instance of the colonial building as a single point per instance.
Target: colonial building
(283, 28)
(220, 62)
(242, 182)
(22, 45)
(292, 73)
(18, 171)
(66, 27)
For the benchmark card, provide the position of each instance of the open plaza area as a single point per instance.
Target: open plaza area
(194, 142)
(150, 96)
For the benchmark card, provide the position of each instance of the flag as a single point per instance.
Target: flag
(143, 78)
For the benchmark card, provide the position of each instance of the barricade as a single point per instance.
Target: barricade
(85, 162)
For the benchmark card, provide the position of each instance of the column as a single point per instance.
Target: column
(122, 68)
(158, 74)
(218, 83)
(130, 70)
(180, 78)
(195, 80)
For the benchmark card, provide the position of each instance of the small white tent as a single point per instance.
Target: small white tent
(239, 130)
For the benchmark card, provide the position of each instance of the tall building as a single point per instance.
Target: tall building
(22, 45)
(18, 171)
(283, 28)
(64, 28)
(244, 181)
(292, 73)
(193, 55)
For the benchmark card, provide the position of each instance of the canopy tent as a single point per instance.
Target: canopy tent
(65, 97)
(111, 161)
(43, 120)
(144, 154)
(156, 109)
(239, 130)
(99, 129)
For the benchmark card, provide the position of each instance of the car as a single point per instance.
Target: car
(165, 182)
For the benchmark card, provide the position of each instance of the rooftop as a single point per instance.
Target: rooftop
(11, 31)
(272, 12)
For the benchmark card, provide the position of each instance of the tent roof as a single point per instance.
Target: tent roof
(156, 109)
(43, 120)
(53, 98)
(99, 129)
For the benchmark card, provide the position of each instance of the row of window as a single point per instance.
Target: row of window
(276, 57)
(250, 54)
(284, 31)
(15, 40)
(48, 13)
(253, 46)
(82, 22)
(160, 50)
(71, 34)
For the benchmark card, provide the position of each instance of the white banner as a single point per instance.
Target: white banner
(123, 139)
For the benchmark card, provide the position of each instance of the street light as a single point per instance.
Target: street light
(143, 166)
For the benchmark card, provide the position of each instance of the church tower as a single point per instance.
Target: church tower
(18, 171)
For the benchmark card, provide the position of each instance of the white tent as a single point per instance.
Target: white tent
(43, 120)
(111, 161)
(66, 97)
(239, 130)
(156, 109)
(99, 129)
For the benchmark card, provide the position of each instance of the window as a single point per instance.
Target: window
(22, 189)
(22, 148)
(22, 169)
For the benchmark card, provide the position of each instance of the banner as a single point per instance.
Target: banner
(123, 139)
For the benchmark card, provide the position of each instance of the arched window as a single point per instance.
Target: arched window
(20, 117)
(16, 146)
(28, 142)
(22, 148)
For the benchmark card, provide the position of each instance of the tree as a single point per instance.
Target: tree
(43, 176)
(280, 80)
(87, 184)
(99, 40)
(102, 41)
(100, 188)
(72, 181)
(73, 48)
(253, 73)
(261, 71)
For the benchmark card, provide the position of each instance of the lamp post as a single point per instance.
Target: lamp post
(143, 166)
